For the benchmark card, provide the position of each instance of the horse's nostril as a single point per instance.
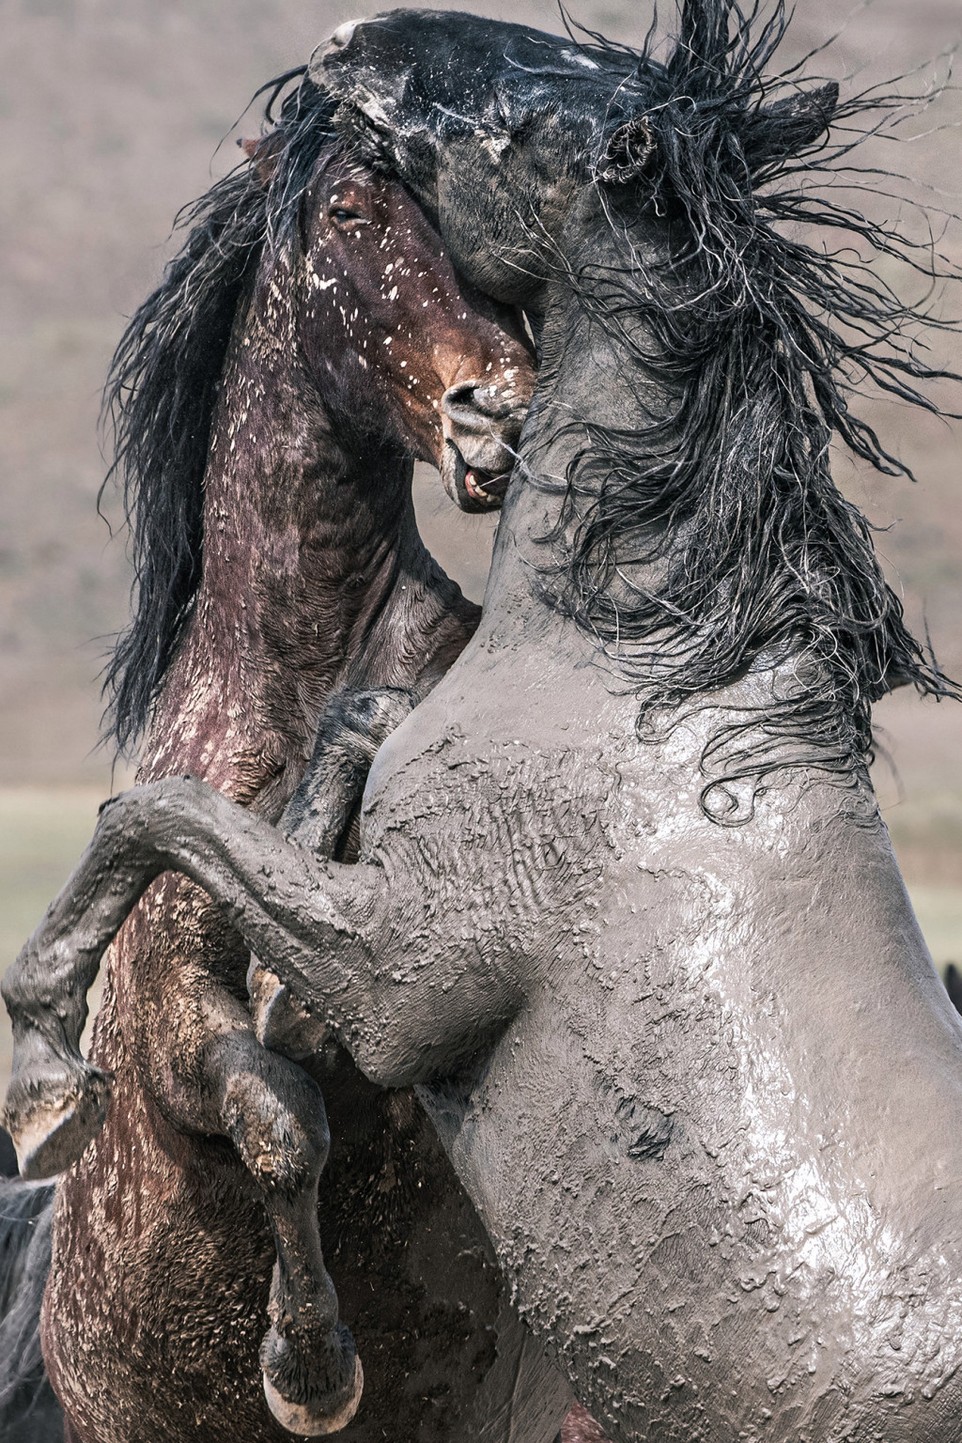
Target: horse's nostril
(343, 34)
(482, 424)
(461, 395)
(471, 397)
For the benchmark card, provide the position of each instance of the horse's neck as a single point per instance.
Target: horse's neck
(588, 381)
(585, 379)
(303, 552)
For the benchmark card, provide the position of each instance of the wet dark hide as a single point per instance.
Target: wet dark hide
(165, 379)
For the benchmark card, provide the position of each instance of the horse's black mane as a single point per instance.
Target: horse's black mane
(164, 380)
(762, 340)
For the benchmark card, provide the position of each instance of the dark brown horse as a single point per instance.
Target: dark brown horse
(309, 338)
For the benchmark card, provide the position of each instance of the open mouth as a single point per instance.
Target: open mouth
(473, 490)
(476, 489)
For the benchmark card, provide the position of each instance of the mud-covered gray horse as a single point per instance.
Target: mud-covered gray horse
(624, 909)
(310, 335)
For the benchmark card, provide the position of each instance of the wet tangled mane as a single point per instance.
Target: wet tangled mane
(164, 381)
(761, 339)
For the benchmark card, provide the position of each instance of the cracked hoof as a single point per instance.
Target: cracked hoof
(52, 1118)
(307, 1421)
(281, 1021)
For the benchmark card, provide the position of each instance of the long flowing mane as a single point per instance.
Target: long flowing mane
(762, 340)
(164, 380)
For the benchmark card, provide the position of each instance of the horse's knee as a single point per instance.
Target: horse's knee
(278, 1124)
(282, 1022)
(54, 1106)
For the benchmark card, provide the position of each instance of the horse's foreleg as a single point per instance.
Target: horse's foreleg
(351, 730)
(317, 924)
(285, 904)
(274, 1114)
(56, 1101)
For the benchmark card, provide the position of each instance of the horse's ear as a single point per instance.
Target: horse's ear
(629, 152)
(789, 125)
(263, 154)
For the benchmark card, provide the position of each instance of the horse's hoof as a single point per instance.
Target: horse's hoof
(310, 1421)
(281, 1021)
(52, 1124)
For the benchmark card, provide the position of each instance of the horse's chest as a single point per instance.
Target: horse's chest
(498, 833)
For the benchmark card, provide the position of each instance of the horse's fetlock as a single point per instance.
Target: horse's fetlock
(52, 1111)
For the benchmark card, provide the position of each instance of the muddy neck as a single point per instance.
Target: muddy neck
(590, 382)
(586, 377)
(308, 536)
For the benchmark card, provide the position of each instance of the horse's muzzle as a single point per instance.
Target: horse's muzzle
(481, 425)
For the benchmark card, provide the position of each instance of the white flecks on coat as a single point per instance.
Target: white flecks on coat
(576, 57)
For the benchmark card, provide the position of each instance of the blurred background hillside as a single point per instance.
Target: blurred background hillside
(112, 112)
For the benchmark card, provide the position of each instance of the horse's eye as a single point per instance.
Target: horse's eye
(346, 219)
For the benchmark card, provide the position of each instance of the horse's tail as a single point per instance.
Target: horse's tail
(953, 985)
(29, 1412)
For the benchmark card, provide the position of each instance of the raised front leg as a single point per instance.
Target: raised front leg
(215, 1080)
(320, 926)
(353, 727)
(274, 1114)
(56, 1099)
(208, 1075)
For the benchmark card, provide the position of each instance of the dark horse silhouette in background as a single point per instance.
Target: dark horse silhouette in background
(624, 909)
(29, 1412)
(310, 336)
